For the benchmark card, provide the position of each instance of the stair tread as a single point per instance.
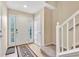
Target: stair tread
(50, 51)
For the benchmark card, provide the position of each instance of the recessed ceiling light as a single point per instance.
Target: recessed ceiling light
(25, 6)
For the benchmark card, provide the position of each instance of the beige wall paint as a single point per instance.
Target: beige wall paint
(23, 20)
(48, 26)
(54, 20)
(66, 9)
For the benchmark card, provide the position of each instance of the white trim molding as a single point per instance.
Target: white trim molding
(50, 43)
(49, 6)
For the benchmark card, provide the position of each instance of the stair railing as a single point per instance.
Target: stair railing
(58, 32)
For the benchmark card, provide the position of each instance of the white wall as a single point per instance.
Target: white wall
(4, 28)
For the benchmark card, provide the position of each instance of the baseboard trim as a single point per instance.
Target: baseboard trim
(53, 43)
(50, 43)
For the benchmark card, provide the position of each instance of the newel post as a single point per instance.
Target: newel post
(57, 39)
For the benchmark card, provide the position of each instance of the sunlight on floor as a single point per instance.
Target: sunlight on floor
(36, 50)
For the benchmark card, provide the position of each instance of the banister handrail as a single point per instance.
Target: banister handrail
(76, 13)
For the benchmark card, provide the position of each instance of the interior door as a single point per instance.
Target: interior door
(37, 31)
(12, 30)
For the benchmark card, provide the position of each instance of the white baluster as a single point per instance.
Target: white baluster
(67, 36)
(62, 38)
(74, 32)
(57, 39)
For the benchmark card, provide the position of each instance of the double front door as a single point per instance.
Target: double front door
(18, 30)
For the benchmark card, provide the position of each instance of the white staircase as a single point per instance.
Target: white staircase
(67, 37)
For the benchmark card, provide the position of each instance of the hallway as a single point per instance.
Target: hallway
(39, 29)
(22, 24)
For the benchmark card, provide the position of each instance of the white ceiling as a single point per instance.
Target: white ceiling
(32, 6)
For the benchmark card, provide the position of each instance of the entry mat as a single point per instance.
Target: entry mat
(10, 50)
(25, 51)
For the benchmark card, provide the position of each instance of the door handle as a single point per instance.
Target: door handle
(16, 30)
